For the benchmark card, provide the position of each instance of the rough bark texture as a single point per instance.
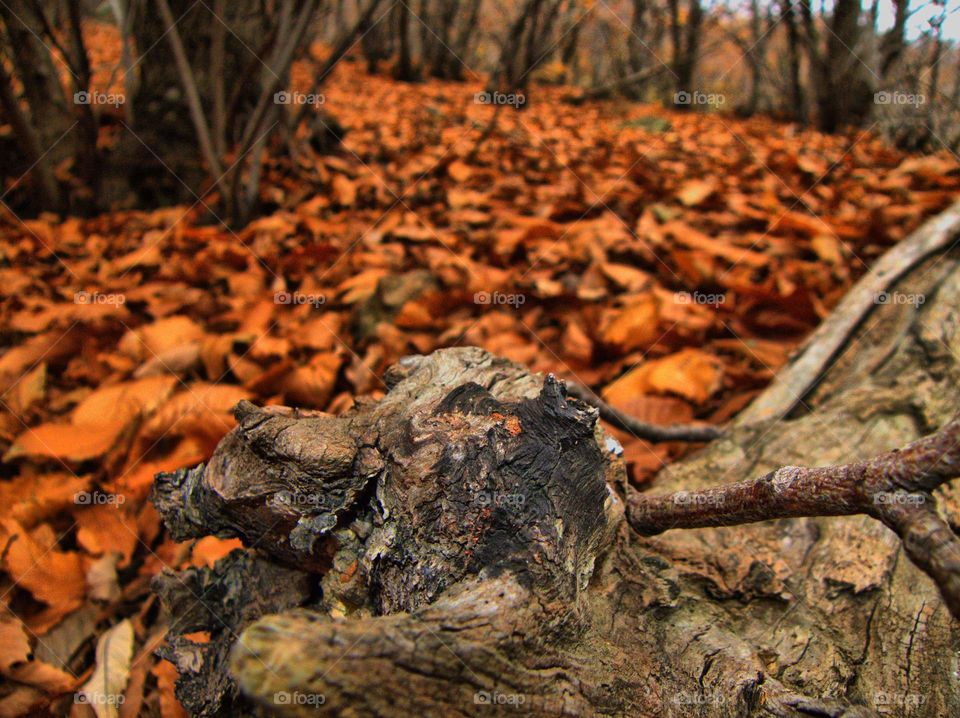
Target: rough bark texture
(444, 594)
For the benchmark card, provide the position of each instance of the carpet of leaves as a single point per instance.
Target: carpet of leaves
(671, 261)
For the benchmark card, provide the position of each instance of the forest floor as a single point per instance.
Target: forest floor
(671, 261)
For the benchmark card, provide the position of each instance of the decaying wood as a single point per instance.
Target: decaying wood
(471, 483)
(438, 590)
(894, 488)
(795, 382)
(221, 602)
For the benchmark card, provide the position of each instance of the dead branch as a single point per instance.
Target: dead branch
(634, 78)
(793, 383)
(189, 82)
(642, 429)
(894, 488)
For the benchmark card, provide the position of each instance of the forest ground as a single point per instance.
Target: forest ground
(671, 261)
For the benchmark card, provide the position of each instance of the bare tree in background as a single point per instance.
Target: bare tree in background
(686, 23)
(208, 82)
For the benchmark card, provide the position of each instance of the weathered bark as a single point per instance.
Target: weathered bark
(441, 589)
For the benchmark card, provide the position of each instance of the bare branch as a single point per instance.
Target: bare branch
(793, 383)
(893, 488)
(642, 429)
(190, 90)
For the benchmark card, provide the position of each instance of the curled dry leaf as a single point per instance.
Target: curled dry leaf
(104, 691)
(96, 423)
(55, 577)
(689, 373)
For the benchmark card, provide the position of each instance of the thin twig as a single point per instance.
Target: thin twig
(217, 64)
(642, 429)
(190, 90)
(894, 488)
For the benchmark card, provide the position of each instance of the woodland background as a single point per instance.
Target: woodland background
(209, 201)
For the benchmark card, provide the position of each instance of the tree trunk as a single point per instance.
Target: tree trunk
(685, 39)
(797, 99)
(404, 71)
(467, 534)
(161, 159)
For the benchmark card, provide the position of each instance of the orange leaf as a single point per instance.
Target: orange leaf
(65, 441)
(57, 578)
(634, 326)
(691, 373)
(696, 191)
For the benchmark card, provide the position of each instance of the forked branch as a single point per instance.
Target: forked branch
(894, 488)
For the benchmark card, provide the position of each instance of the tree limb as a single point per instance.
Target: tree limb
(190, 90)
(795, 381)
(894, 488)
(642, 429)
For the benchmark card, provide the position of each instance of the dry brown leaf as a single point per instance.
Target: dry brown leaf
(123, 402)
(14, 642)
(202, 410)
(690, 373)
(166, 674)
(30, 498)
(30, 389)
(104, 691)
(344, 190)
(66, 441)
(107, 527)
(635, 325)
(176, 360)
(148, 341)
(696, 191)
(311, 385)
(96, 423)
(57, 578)
(47, 678)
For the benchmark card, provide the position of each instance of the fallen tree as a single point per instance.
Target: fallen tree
(463, 547)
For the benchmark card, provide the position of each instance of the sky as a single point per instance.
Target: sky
(919, 21)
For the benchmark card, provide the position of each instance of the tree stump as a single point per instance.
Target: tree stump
(459, 548)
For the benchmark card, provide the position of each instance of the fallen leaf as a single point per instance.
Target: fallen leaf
(695, 191)
(104, 691)
(55, 577)
(690, 373)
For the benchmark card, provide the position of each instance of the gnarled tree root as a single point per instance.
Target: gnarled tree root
(465, 554)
